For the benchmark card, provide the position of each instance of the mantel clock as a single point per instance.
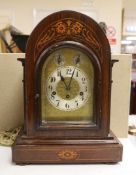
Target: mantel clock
(67, 89)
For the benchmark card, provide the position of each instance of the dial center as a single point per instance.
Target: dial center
(68, 93)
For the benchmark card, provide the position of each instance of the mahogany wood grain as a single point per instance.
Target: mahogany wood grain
(84, 144)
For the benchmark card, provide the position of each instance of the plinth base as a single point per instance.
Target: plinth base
(40, 151)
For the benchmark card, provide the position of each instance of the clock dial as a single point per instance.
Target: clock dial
(67, 88)
(67, 84)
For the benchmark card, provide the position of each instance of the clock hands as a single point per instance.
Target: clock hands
(68, 87)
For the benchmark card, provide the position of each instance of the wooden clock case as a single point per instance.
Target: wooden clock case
(69, 144)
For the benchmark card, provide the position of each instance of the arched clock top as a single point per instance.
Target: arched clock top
(68, 26)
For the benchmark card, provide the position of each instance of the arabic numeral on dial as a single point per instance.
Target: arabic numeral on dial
(52, 79)
(86, 89)
(58, 102)
(67, 106)
(69, 71)
(76, 103)
(53, 95)
(83, 80)
(50, 87)
(58, 73)
(82, 98)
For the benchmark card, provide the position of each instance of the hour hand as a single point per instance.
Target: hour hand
(63, 79)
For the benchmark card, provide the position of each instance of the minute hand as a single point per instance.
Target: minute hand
(71, 79)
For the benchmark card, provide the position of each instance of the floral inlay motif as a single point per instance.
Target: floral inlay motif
(68, 154)
(61, 27)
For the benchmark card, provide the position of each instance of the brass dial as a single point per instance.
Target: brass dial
(67, 85)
